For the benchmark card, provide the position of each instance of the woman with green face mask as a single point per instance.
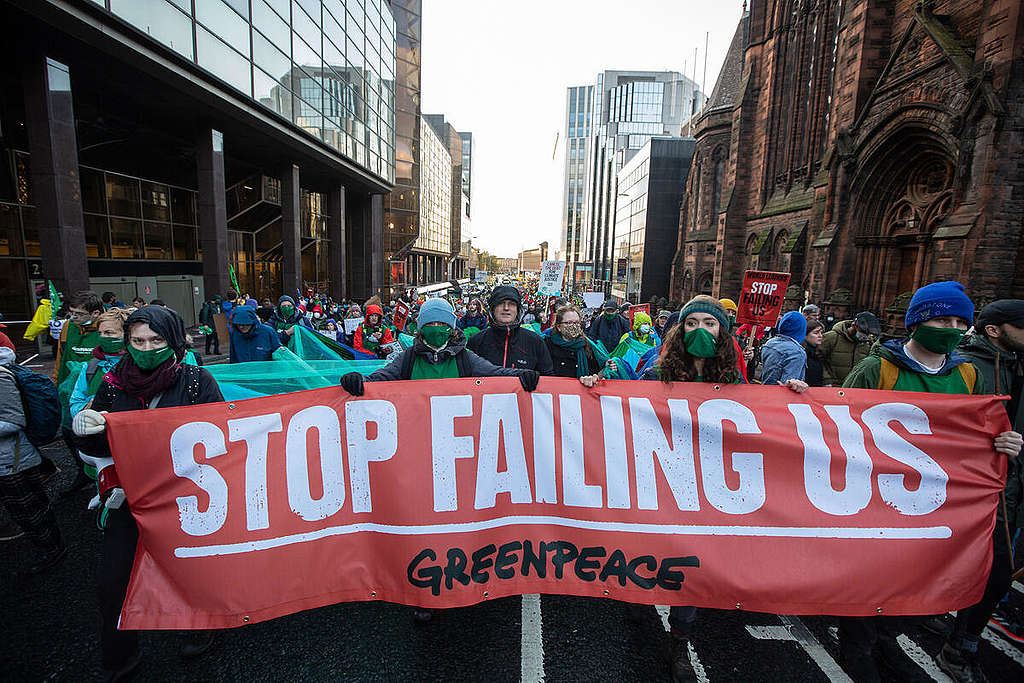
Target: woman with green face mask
(104, 357)
(698, 349)
(150, 374)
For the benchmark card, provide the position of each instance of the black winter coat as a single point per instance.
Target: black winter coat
(608, 332)
(195, 385)
(512, 347)
(563, 361)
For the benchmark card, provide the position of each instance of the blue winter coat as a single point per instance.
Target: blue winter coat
(782, 358)
(260, 342)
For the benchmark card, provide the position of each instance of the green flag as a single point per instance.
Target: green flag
(234, 281)
(54, 300)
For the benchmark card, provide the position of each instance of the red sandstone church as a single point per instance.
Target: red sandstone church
(865, 146)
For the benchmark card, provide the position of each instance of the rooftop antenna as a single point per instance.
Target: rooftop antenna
(704, 78)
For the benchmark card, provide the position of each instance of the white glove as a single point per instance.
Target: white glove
(88, 422)
(115, 499)
(94, 502)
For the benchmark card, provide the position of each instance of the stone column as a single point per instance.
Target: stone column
(377, 279)
(336, 233)
(291, 264)
(213, 218)
(56, 185)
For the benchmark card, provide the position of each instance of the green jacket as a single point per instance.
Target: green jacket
(840, 351)
(866, 374)
(985, 356)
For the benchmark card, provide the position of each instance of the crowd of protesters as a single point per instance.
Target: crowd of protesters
(111, 357)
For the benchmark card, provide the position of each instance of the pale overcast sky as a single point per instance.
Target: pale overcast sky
(500, 69)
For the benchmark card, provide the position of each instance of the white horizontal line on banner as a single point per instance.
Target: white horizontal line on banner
(878, 533)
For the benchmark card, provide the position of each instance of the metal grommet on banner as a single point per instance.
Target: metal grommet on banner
(486, 594)
(606, 591)
(373, 594)
(478, 382)
(718, 387)
(231, 406)
(879, 610)
(245, 619)
(842, 393)
(738, 606)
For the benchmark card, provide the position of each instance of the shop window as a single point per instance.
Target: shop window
(186, 247)
(125, 238)
(123, 196)
(155, 202)
(158, 240)
(97, 236)
(10, 230)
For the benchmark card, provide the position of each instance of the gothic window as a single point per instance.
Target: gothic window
(704, 284)
(717, 173)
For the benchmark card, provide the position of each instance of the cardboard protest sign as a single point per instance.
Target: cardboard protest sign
(444, 493)
(761, 298)
(551, 275)
(401, 316)
(351, 324)
(593, 299)
(633, 310)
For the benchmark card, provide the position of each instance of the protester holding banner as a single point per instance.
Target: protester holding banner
(572, 354)
(251, 340)
(996, 349)
(814, 375)
(608, 327)
(104, 357)
(474, 316)
(505, 342)
(846, 344)
(936, 319)
(151, 374)
(286, 316)
(642, 331)
(783, 356)
(372, 332)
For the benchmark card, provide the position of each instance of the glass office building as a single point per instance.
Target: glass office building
(467, 167)
(326, 65)
(433, 245)
(578, 117)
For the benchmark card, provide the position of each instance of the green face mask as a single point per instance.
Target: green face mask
(700, 343)
(287, 311)
(147, 360)
(937, 339)
(111, 345)
(609, 316)
(436, 336)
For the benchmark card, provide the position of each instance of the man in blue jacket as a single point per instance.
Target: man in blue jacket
(608, 326)
(250, 339)
(783, 356)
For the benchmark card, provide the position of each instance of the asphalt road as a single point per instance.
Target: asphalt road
(48, 628)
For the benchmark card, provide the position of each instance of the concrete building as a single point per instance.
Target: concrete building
(629, 108)
(650, 187)
(452, 141)
(467, 167)
(866, 148)
(148, 146)
(429, 255)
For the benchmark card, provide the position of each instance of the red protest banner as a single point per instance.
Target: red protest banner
(761, 297)
(637, 308)
(847, 502)
(400, 316)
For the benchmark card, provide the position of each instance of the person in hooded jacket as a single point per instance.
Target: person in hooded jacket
(474, 317)
(150, 375)
(505, 342)
(642, 331)
(251, 340)
(609, 326)
(846, 344)
(927, 361)
(372, 332)
(439, 352)
(286, 316)
(105, 356)
(783, 357)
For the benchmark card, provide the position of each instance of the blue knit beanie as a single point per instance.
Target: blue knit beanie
(939, 299)
(436, 311)
(794, 325)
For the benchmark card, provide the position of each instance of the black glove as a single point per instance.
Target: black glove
(528, 378)
(352, 382)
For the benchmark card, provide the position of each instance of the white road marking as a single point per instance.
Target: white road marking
(532, 651)
(698, 667)
(793, 629)
(1003, 646)
(922, 659)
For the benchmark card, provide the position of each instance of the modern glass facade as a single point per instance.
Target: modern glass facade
(328, 66)
(629, 108)
(630, 227)
(467, 166)
(578, 117)
(402, 206)
(435, 193)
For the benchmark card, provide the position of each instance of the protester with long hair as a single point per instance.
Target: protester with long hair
(151, 374)
(698, 349)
